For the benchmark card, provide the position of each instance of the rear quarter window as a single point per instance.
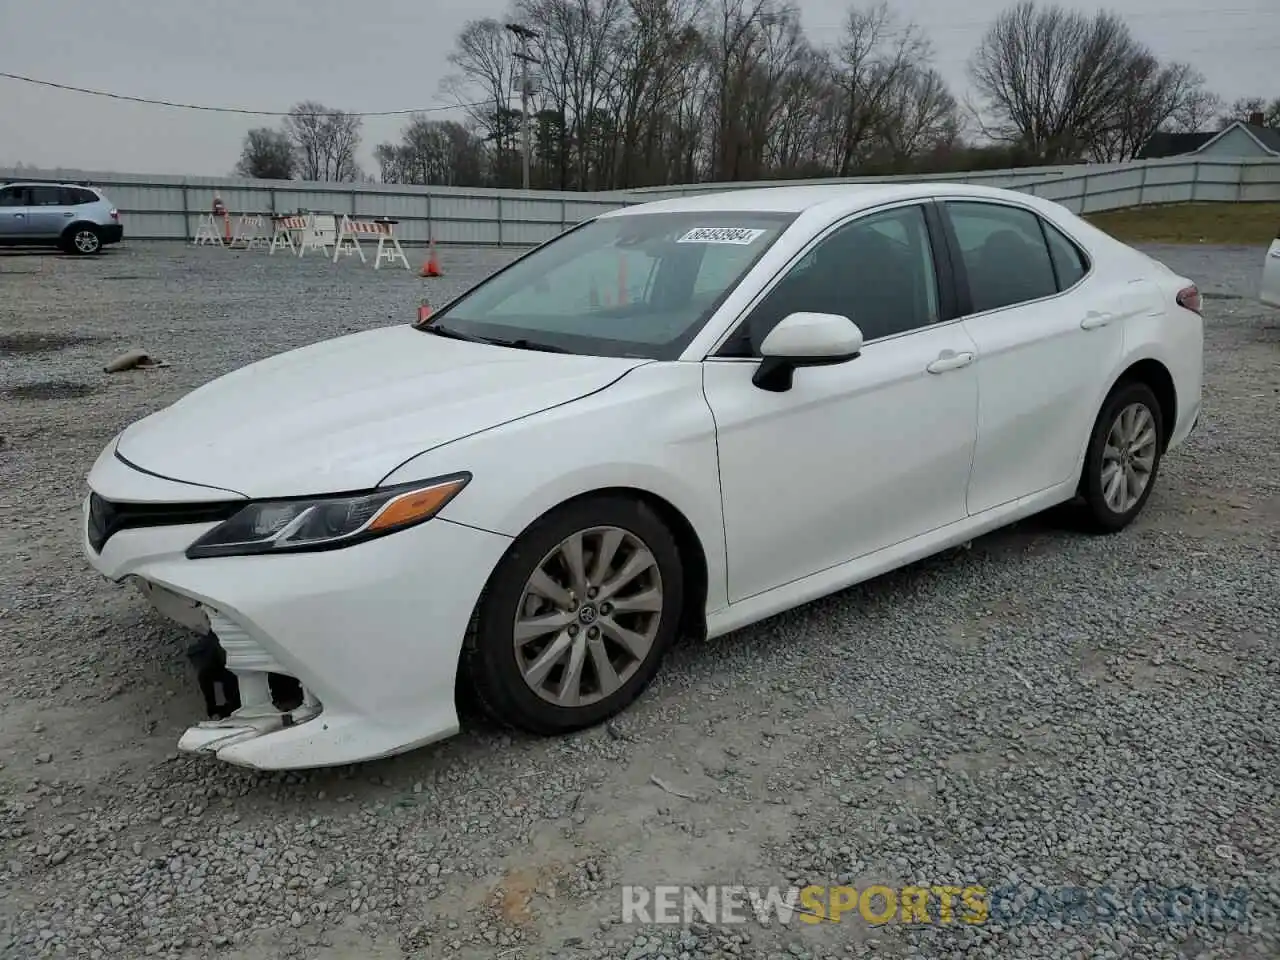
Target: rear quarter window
(1069, 261)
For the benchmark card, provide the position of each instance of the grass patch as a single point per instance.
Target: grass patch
(1252, 224)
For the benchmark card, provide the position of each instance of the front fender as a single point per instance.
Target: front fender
(651, 430)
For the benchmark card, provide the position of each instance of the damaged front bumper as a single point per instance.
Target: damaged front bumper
(247, 693)
(316, 659)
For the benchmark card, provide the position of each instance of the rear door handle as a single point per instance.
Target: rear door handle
(1093, 320)
(68, 213)
(950, 360)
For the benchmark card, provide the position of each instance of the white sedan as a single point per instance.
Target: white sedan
(1270, 293)
(677, 418)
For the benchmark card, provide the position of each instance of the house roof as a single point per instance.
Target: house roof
(1161, 144)
(1265, 137)
(1269, 137)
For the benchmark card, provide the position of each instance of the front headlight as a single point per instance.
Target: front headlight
(323, 523)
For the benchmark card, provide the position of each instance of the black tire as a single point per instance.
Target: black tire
(1097, 514)
(490, 665)
(82, 239)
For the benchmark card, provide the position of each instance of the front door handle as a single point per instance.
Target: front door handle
(1093, 320)
(950, 360)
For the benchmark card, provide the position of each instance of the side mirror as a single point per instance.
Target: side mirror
(805, 340)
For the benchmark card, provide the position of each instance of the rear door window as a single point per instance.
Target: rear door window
(41, 196)
(1005, 256)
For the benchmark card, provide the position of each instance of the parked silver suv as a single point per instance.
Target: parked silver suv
(77, 218)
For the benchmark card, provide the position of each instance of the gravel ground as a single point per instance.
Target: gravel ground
(1043, 709)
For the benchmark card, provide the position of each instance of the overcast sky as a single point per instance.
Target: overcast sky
(366, 55)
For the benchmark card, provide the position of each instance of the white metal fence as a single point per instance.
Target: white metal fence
(158, 207)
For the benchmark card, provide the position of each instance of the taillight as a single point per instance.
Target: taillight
(115, 214)
(1188, 298)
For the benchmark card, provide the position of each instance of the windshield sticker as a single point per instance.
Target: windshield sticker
(737, 235)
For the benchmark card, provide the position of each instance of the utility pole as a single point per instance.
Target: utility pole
(525, 35)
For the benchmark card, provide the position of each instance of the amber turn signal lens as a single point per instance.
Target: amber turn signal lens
(416, 505)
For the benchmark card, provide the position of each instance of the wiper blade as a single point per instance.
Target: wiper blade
(442, 331)
(523, 344)
(519, 344)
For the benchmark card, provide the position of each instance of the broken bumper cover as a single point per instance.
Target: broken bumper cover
(371, 632)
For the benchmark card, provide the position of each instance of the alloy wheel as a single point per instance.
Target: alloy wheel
(86, 241)
(588, 616)
(1129, 457)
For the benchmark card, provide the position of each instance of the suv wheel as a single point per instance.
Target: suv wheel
(83, 240)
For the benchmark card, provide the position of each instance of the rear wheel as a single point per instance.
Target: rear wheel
(1123, 459)
(82, 239)
(577, 617)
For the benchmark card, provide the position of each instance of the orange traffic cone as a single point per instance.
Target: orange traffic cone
(432, 267)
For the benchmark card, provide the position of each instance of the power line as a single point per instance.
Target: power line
(237, 110)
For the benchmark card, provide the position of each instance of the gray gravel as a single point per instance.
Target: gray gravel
(1042, 710)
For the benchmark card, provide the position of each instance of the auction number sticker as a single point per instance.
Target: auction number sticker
(739, 235)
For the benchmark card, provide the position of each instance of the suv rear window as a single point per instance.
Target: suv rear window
(73, 196)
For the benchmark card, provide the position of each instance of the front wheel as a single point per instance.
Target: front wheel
(577, 616)
(1123, 459)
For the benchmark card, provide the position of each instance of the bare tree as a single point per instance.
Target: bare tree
(484, 77)
(731, 33)
(763, 53)
(432, 152)
(1050, 76)
(1152, 98)
(875, 55)
(649, 91)
(655, 60)
(1196, 113)
(1247, 108)
(267, 155)
(919, 116)
(804, 131)
(325, 142)
(577, 52)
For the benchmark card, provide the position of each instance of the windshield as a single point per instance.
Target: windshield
(640, 285)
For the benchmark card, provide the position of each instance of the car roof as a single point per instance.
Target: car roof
(839, 197)
(45, 183)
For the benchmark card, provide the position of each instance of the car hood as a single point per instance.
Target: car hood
(341, 414)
